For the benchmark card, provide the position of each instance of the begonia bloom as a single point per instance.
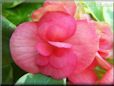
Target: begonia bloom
(61, 54)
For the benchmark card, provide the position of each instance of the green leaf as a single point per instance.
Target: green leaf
(110, 60)
(7, 74)
(12, 3)
(7, 24)
(14, 14)
(7, 29)
(38, 79)
(95, 9)
(20, 13)
(9, 68)
(99, 71)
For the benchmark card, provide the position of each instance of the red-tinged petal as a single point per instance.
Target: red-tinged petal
(93, 65)
(69, 6)
(60, 44)
(102, 62)
(85, 77)
(37, 14)
(108, 78)
(104, 53)
(106, 40)
(106, 36)
(85, 44)
(44, 48)
(42, 61)
(22, 46)
(56, 26)
(65, 59)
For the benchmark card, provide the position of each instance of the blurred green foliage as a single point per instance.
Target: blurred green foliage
(13, 13)
(100, 11)
(19, 13)
(99, 71)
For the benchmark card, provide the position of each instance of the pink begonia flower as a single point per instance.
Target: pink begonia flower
(55, 45)
(51, 5)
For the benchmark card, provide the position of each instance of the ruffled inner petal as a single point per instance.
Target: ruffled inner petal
(60, 44)
(44, 49)
(56, 26)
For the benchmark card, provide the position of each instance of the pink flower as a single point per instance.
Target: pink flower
(55, 46)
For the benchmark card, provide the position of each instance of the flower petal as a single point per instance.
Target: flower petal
(85, 44)
(60, 44)
(68, 5)
(56, 26)
(44, 49)
(22, 46)
(102, 62)
(106, 36)
(85, 77)
(104, 53)
(66, 58)
(37, 14)
(42, 60)
(55, 72)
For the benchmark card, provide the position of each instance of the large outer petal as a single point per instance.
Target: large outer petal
(23, 46)
(85, 44)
